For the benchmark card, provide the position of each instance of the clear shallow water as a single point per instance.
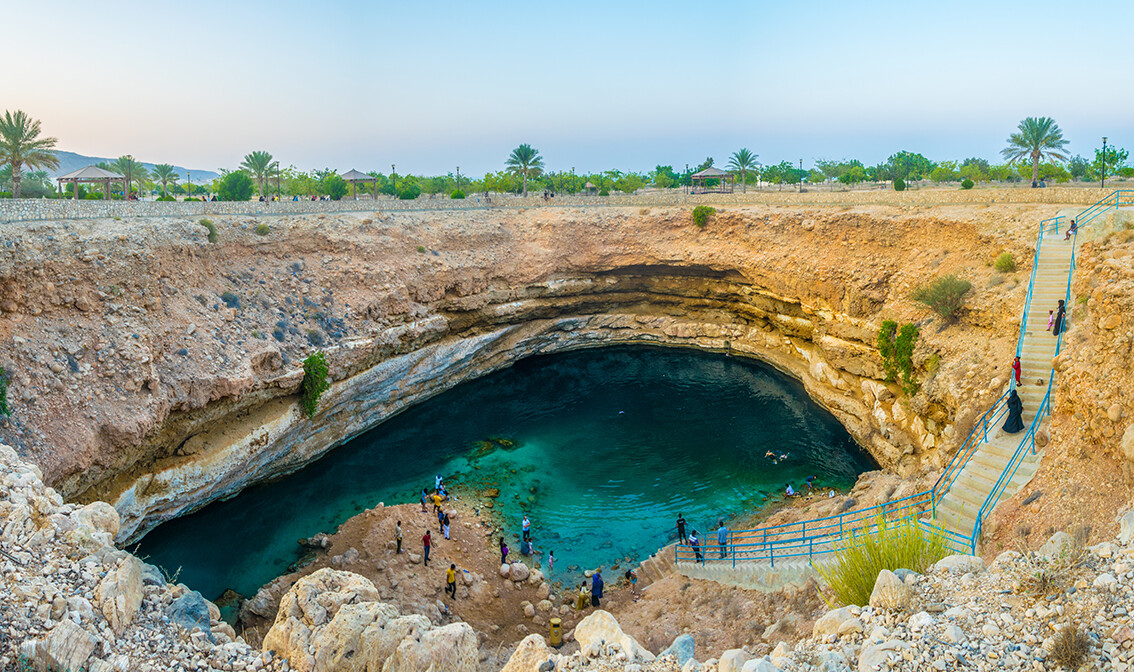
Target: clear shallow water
(610, 445)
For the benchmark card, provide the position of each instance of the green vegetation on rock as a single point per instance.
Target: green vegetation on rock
(890, 545)
(945, 295)
(213, 236)
(701, 214)
(314, 382)
(1004, 263)
(896, 346)
(4, 410)
(263, 229)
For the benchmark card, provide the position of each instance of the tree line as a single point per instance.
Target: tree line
(1035, 151)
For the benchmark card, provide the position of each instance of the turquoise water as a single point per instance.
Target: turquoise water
(610, 445)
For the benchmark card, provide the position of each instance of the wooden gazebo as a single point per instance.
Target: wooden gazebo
(590, 188)
(723, 186)
(91, 174)
(354, 177)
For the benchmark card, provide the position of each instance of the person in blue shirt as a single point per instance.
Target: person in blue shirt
(596, 589)
(722, 539)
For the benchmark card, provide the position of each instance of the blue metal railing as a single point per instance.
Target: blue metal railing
(822, 536)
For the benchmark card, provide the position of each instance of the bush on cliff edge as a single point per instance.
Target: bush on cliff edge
(945, 295)
(314, 382)
(701, 215)
(4, 410)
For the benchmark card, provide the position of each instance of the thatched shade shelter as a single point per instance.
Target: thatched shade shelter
(354, 177)
(724, 185)
(91, 174)
(590, 188)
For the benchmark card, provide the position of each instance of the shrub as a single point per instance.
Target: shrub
(231, 300)
(421, 248)
(4, 379)
(701, 214)
(945, 295)
(278, 334)
(263, 229)
(896, 346)
(92, 196)
(1071, 647)
(213, 236)
(966, 183)
(315, 337)
(235, 186)
(603, 192)
(890, 545)
(1004, 262)
(165, 198)
(899, 184)
(335, 186)
(457, 194)
(190, 199)
(314, 382)
(407, 191)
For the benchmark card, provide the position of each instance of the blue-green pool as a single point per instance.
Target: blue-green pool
(610, 445)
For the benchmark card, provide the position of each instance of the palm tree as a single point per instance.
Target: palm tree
(20, 144)
(743, 161)
(165, 174)
(258, 164)
(1037, 139)
(525, 162)
(128, 166)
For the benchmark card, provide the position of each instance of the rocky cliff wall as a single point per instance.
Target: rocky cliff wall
(159, 372)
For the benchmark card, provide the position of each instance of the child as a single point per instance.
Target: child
(550, 560)
(1050, 319)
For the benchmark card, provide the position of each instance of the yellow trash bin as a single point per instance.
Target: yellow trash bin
(556, 634)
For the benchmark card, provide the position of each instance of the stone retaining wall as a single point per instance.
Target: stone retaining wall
(38, 210)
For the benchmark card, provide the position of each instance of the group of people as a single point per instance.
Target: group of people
(1056, 324)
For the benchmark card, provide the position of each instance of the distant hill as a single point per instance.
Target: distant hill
(70, 161)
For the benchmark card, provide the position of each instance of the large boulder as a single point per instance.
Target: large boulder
(451, 647)
(960, 564)
(879, 656)
(831, 622)
(1059, 543)
(67, 647)
(191, 611)
(119, 594)
(733, 660)
(601, 629)
(519, 571)
(890, 592)
(332, 621)
(530, 655)
(681, 649)
(95, 526)
(1126, 525)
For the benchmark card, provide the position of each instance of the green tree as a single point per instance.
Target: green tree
(21, 145)
(235, 186)
(257, 164)
(1036, 139)
(946, 171)
(129, 167)
(742, 161)
(1113, 161)
(525, 162)
(1078, 167)
(909, 166)
(853, 175)
(334, 186)
(663, 177)
(165, 175)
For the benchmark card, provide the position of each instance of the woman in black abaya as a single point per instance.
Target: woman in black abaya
(1015, 421)
(1060, 319)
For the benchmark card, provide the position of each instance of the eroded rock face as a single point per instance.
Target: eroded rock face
(183, 399)
(332, 621)
(600, 630)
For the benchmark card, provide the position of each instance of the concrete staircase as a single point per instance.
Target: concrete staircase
(958, 510)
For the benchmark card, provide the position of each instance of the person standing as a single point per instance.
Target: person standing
(695, 543)
(722, 539)
(527, 528)
(1060, 317)
(1017, 369)
(451, 581)
(596, 589)
(445, 526)
(581, 600)
(1050, 319)
(550, 561)
(398, 536)
(426, 542)
(503, 552)
(424, 499)
(681, 529)
(1015, 421)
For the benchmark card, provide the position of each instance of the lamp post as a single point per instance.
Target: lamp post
(279, 194)
(458, 178)
(129, 174)
(394, 180)
(801, 176)
(688, 186)
(189, 178)
(1102, 184)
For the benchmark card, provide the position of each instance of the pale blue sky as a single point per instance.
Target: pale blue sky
(592, 85)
